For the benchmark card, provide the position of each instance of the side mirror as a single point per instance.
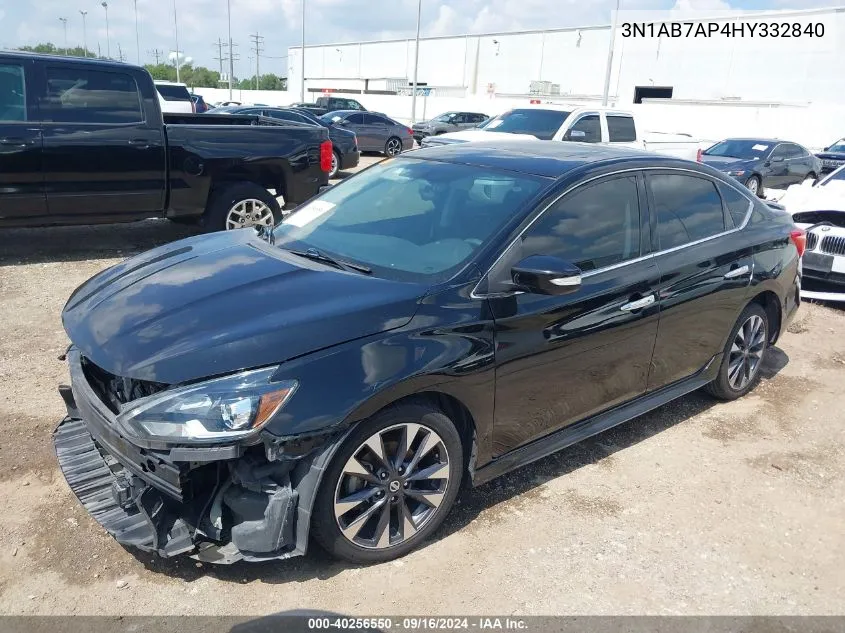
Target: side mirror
(545, 275)
(826, 148)
(777, 159)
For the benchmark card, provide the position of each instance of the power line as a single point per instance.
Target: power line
(257, 41)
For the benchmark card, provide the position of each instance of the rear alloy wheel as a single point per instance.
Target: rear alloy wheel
(249, 213)
(241, 205)
(393, 146)
(743, 355)
(335, 165)
(390, 485)
(753, 185)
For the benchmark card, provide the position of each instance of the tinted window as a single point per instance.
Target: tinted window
(781, 151)
(478, 118)
(540, 123)
(12, 93)
(594, 227)
(737, 204)
(591, 128)
(355, 118)
(173, 93)
(794, 151)
(740, 148)
(621, 129)
(409, 219)
(377, 120)
(688, 209)
(81, 95)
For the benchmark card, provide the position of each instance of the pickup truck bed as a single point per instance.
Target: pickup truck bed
(88, 144)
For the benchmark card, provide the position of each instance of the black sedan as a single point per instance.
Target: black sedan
(760, 163)
(833, 156)
(376, 132)
(344, 141)
(448, 315)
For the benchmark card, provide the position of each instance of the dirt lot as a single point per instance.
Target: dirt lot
(696, 508)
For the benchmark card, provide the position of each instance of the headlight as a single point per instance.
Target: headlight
(736, 172)
(219, 410)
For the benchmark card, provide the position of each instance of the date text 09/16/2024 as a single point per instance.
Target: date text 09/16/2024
(722, 29)
(417, 623)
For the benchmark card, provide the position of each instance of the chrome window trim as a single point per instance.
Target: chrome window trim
(589, 273)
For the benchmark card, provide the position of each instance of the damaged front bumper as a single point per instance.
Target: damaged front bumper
(217, 504)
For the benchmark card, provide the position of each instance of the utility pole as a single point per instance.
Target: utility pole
(84, 33)
(610, 56)
(257, 40)
(220, 58)
(176, 32)
(302, 57)
(157, 54)
(64, 23)
(231, 49)
(120, 56)
(416, 65)
(137, 36)
(105, 5)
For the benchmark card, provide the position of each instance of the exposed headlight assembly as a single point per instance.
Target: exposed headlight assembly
(736, 172)
(214, 411)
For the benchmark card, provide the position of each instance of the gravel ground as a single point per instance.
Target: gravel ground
(696, 508)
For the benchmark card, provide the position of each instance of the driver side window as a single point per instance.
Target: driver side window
(593, 227)
(586, 130)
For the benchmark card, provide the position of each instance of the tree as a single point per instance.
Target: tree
(48, 48)
(266, 82)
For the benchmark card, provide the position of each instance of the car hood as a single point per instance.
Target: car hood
(806, 197)
(215, 304)
(831, 155)
(728, 163)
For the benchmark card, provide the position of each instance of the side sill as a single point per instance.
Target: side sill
(579, 431)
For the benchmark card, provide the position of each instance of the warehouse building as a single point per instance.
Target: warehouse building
(571, 62)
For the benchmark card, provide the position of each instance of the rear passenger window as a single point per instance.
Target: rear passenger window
(355, 118)
(688, 209)
(620, 129)
(737, 204)
(12, 93)
(82, 95)
(594, 227)
(586, 130)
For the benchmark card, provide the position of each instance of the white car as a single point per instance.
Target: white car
(554, 122)
(174, 98)
(820, 210)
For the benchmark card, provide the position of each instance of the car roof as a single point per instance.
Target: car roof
(162, 82)
(63, 58)
(755, 139)
(549, 159)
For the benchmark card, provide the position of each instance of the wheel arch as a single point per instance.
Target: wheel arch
(769, 301)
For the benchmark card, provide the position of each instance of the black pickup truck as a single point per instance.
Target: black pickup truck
(324, 105)
(84, 142)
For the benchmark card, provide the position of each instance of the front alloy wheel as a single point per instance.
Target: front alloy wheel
(249, 213)
(391, 486)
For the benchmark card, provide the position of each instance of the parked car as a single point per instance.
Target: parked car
(447, 122)
(448, 315)
(572, 123)
(833, 156)
(376, 132)
(345, 154)
(200, 106)
(759, 163)
(95, 148)
(324, 105)
(174, 97)
(819, 209)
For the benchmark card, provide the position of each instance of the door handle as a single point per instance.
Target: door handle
(140, 143)
(639, 304)
(737, 272)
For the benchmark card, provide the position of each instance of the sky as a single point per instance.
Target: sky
(202, 22)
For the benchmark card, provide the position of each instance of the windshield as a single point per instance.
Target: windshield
(445, 118)
(740, 148)
(410, 220)
(173, 92)
(540, 123)
(331, 117)
(838, 146)
(838, 176)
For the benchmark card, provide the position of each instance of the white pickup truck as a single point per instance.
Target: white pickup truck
(574, 123)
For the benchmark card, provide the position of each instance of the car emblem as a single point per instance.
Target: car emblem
(394, 486)
(825, 228)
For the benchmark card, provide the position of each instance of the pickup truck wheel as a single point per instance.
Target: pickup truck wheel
(242, 205)
(390, 484)
(335, 165)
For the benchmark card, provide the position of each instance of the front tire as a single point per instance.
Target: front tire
(743, 356)
(241, 205)
(755, 186)
(390, 485)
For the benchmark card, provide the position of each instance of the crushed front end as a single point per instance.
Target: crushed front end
(220, 502)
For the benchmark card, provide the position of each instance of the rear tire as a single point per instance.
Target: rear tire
(393, 147)
(743, 355)
(386, 492)
(335, 165)
(241, 200)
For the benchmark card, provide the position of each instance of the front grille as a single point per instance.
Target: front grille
(115, 391)
(812, 241)
(833, 245)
